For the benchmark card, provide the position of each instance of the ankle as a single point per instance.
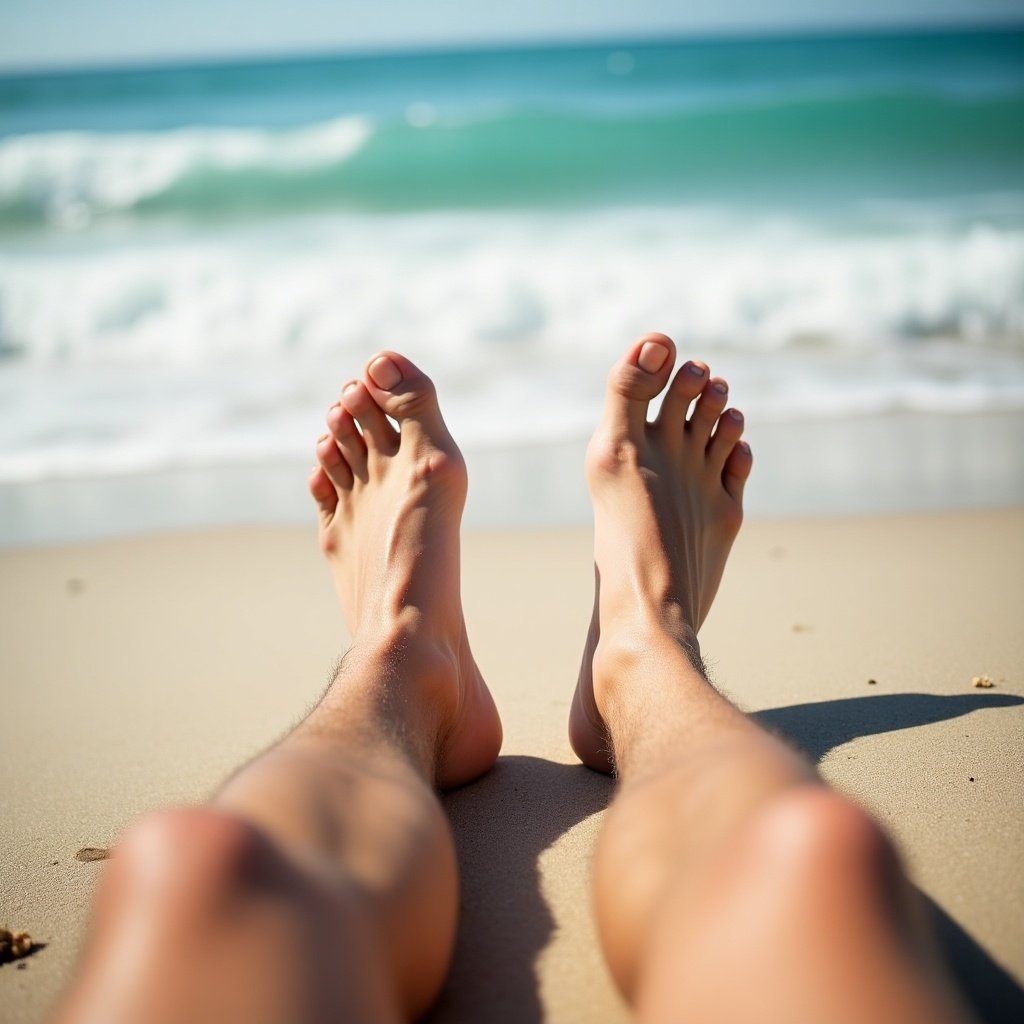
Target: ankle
(625, 657)
(406, 677)
(406, 648)
(632, 624)
(391, 635)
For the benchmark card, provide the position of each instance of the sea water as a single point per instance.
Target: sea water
(194, 259)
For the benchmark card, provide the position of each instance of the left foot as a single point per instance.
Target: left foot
(390, 503)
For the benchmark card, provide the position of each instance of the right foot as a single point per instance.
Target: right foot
(667, 506)
(390, 505)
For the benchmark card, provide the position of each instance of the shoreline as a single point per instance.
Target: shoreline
(140, 671)
(885, 464)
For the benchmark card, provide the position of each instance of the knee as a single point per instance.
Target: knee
(813, 835)
(188, 864)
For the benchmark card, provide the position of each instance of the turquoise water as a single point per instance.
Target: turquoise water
(775, 123)
(193, 258)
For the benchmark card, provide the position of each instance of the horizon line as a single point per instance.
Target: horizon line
(373, 51)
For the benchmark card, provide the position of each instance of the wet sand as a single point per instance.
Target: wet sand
(138, 672)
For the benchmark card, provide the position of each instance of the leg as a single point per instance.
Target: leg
(321, 882)
(730, 883)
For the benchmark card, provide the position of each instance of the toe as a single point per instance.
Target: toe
(348, 439)
(727, 433)
(377, 431)
(405, 393)
(737, 469)
(324, 493)
(708, 408)
(685, 387)
(333, 463)
(635, 380)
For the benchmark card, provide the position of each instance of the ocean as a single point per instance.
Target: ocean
(194, 259)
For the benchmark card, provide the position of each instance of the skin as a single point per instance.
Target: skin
(321, 885)
(730, 884)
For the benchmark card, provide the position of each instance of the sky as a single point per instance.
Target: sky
(69, 33)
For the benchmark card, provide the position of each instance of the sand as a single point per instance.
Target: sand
(137, 673)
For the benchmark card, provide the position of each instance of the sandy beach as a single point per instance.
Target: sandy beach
(204, 235)
(138, 672)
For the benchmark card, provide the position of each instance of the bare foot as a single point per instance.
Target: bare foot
(667, 507)
(390, 503)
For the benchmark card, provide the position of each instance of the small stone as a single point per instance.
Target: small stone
(90, 853)
(872, 682)
(982, 683)
(54, 863)
(14, 945)
(970, 778)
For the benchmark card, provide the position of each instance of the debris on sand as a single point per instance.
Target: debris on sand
(89, 853)
(14, 945)
(872, 682)
(982, 683)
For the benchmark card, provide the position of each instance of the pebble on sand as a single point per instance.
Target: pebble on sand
(88, 853)
(982, 682)
(14, 945)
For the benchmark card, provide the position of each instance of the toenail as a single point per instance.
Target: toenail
(652, 357)
(744, 446)
(736, 415)
(322, 438)
(352, 385)
(384, 373)
(697, 371)
(721, 387)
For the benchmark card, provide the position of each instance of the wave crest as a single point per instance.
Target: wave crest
(68, 178)
(806, 150)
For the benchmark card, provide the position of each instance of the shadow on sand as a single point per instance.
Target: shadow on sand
(818, 728)
(504, 822)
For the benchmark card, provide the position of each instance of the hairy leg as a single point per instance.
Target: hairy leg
(730, 883)
(321, 882)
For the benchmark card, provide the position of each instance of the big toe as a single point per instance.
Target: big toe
(641, 373)
(405, 393)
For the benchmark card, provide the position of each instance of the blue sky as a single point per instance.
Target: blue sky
(40, 33)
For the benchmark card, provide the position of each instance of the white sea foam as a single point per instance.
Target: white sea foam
(204, 349)
(70, 177)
